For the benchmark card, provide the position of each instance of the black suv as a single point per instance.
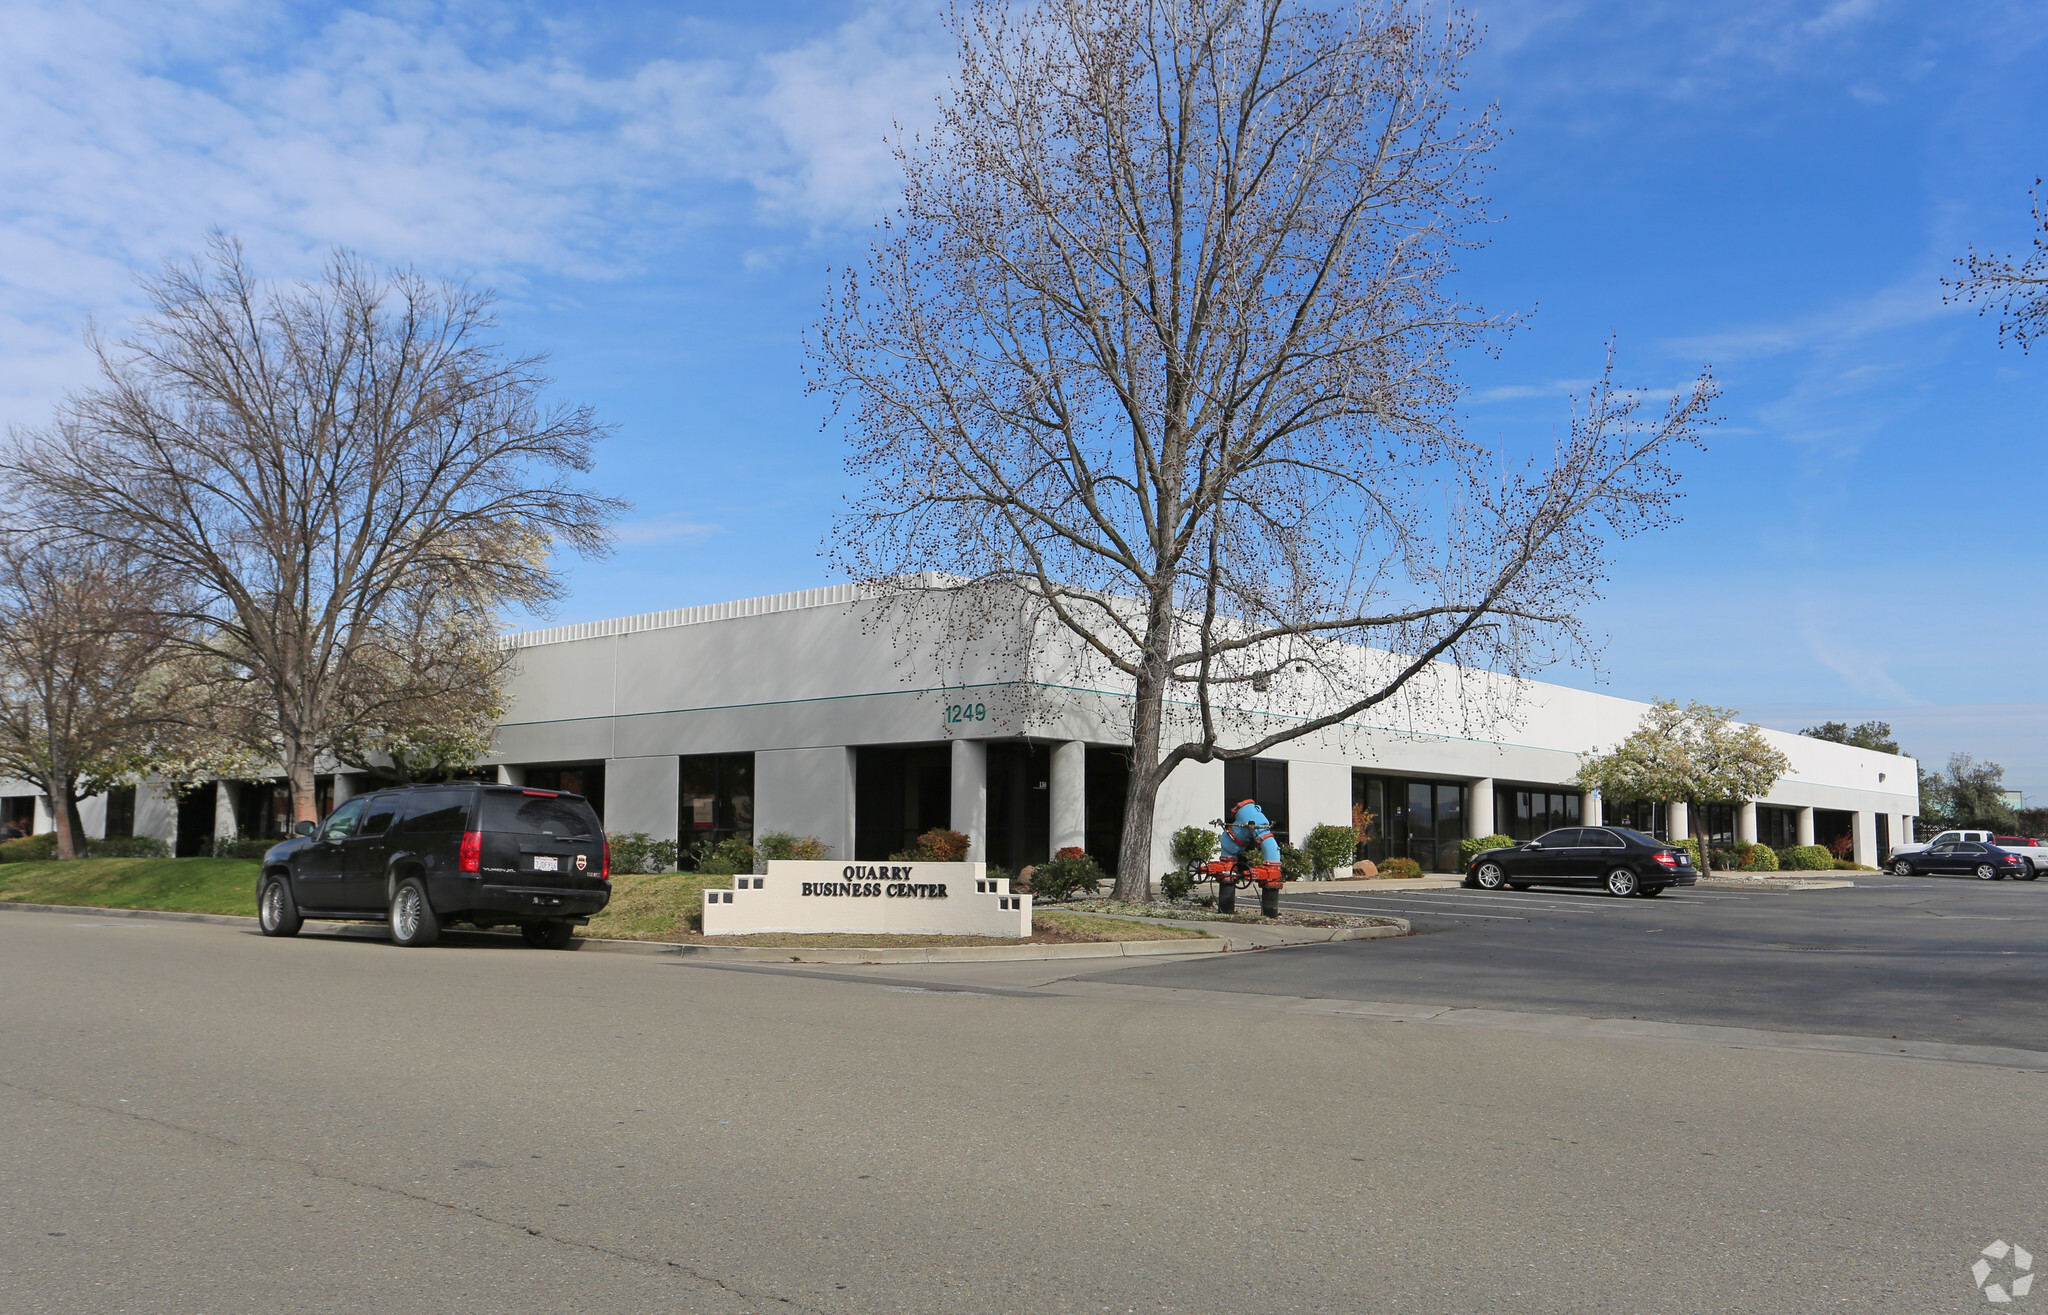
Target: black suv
(422, 856)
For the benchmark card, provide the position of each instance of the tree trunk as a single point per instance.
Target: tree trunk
(298, 770)
(64, 819)
(1148, 710)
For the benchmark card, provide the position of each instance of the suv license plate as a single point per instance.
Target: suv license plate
(545, 863)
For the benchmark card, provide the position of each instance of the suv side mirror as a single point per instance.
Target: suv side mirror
(302, 828)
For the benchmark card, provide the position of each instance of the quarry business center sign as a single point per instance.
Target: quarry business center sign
(887, 899)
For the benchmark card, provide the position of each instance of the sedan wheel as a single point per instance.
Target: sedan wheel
(1985, 872)
(1903, 868)
(1490, 877)
(1621, 881)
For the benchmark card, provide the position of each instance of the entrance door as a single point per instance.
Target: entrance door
(1019, 804)
(195, 821)
(898, 795)
(1884, 838)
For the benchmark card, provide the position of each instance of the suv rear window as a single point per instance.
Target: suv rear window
(561, 816)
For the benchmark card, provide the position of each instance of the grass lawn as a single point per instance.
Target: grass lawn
(185, 885)
(669, 906)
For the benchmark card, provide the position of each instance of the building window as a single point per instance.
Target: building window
(1777, 827)
(18, 815)
(1019, 804)
(1526, 814)
(1422, 820)
(1834, 830)
(1263, 779)
(1716, 823)
(716, 801)
(1107, 770)
(586, 779)
(121, 812)
(1644, 815)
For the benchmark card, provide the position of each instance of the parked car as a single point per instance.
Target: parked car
(2027, 848)
(421, 857)
(1987, 862)
(1625, 862)
(1946, 837)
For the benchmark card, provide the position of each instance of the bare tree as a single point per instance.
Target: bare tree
(2016, 288)
(1161, 338)
(86, 691)
(310, 462)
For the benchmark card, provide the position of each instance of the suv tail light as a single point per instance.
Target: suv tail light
(1668, 860)
(471, 856)
(607, 873)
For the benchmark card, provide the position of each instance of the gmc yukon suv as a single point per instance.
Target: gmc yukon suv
(423, 856)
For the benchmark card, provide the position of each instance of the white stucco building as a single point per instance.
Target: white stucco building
(808, 713)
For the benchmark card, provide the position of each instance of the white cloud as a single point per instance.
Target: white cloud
(408, 134)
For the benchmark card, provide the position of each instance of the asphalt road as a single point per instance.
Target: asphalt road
(198, 1119)
(1926, 959)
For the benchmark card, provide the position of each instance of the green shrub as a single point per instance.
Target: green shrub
(1193, 846)
(635, 852)
(1811, 858)
(1329, 848)
(939, 846)
(1470, 849)
(1400, 867)
(1760, 858)
(128, 847)
(241, 847)
(1294, 865)
(1177, 883)
(728, 858)
(1724, 860)
(782, 846)
(1072, 873)
(29, 849)
(996, 872)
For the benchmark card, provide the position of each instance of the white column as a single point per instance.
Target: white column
(1069, 796)
(224, 796)
(970, 796)
(1805, 833)
(46, 820)
(807, 792)
(509, 775)
(1590, 811)
(1479, 809)
(1745, 823)
(1863, 838)
(1677, 820)
(641, 794)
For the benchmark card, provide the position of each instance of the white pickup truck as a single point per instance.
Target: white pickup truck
(2033, 851)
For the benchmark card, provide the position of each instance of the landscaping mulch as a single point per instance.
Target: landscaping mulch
(1189, 911)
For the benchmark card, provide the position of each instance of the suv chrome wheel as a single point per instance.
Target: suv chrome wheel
(1490, 877)
(276, 915)
(412, 918)
(1621, 881)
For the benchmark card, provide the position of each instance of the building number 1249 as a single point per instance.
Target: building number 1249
(959, 712)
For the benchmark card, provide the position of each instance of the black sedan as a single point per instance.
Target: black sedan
(1964, 857)
(1625, 862)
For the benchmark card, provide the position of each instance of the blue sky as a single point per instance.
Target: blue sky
(658, 190)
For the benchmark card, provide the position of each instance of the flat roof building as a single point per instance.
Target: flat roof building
(817, 713)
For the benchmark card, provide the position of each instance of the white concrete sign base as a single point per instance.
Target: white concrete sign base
(889, 899)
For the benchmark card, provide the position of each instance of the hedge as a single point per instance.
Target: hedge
(1760, 858)
(1470, 849)
(1808, 858)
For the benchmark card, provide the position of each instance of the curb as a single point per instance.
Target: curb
(751, 953)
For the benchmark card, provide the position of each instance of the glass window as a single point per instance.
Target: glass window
(379, 812)
(1262, 779)
(1565, 838)
(716, 801)
(562, 817)
(121, 812)
(341, 823)
(436, 812)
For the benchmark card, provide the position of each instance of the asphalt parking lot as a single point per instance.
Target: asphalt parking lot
(1927, 959)
(202, 1120)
